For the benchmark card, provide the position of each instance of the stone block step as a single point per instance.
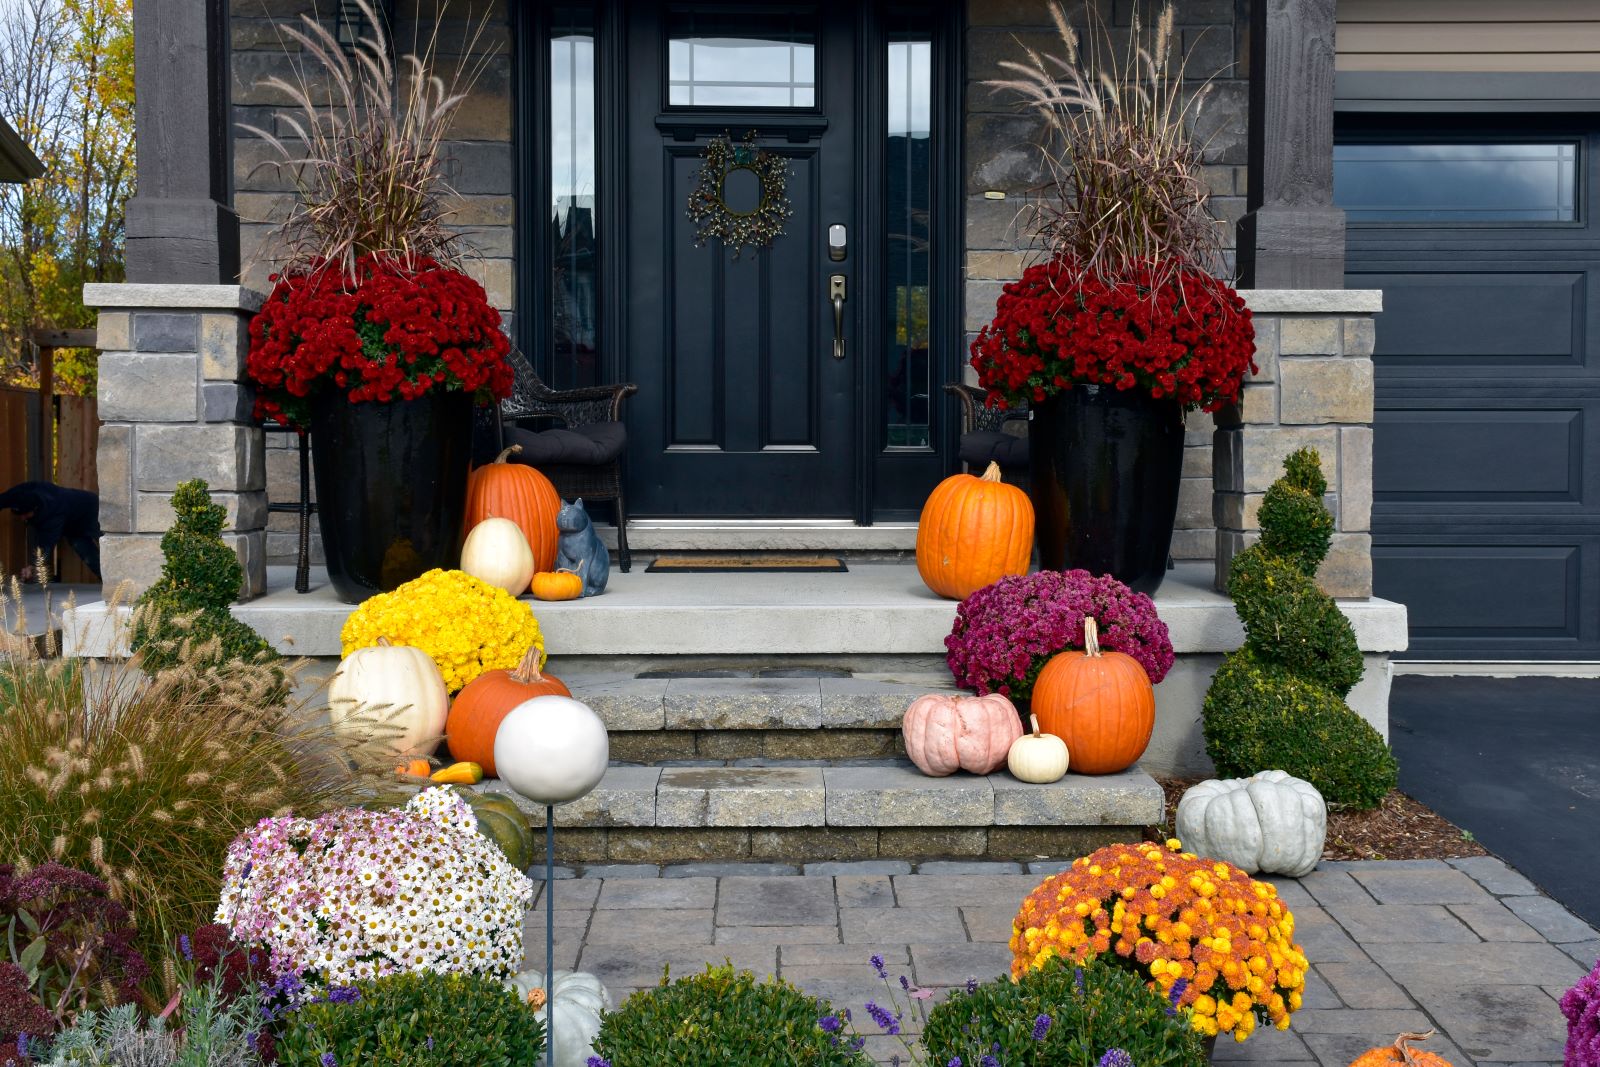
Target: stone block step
(861, 809)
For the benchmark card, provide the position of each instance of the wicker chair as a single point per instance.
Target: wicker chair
(984, 437)
(574, 437)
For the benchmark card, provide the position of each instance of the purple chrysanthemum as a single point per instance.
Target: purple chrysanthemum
(1005, 633)
(1581, 1006)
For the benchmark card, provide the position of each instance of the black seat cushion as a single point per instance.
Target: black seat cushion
(981, 447)
(585, 446)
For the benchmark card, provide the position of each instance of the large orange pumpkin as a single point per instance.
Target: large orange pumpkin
(517, 492)
(1401, 1052)
(486, 700)
(1100, 703)
(973, 532)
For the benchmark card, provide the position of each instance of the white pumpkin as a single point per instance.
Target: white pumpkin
(496, 551)
(1269, 822)
(551, 749)
(1039, 758)
(392, 695)
(576, 1000)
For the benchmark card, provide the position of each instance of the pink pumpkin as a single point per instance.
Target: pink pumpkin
(945, 734)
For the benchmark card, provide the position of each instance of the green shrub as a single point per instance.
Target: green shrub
(1303, 470)
(187, 618)
(1295, 526)
(1259, 715)
(426, 1019)
(722, 1017)
(211, 1030)
(1289, 620)
(1091, 1008)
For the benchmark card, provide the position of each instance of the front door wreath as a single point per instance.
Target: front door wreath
(709, 209)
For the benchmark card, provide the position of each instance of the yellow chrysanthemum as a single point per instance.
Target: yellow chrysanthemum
(466, 626)
(1226, 938)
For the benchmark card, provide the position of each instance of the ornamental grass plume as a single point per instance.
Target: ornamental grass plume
(1581, 1006)
(1202, 932)
(1005, 633)
(1123, 186)
(364, 148)
(144, 781)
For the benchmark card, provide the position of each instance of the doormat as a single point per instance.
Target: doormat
(746, 564)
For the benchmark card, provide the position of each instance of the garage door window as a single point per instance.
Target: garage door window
(1486, 182)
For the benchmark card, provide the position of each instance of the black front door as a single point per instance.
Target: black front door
(745, 405)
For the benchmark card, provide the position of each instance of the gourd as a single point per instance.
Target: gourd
(501, 821)
(576, 1000)
(417, 768)
(973, 532)
(1039, 758)
(463, 773)
(497, 552)
(1100, 703)
(517, 492)
(944, 733)
(551, 749)
(1401, 1052)
(486, 700)
(1268, 822)
(391, 695)
(557, 585)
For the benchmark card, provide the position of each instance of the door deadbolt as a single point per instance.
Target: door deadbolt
(838, 242)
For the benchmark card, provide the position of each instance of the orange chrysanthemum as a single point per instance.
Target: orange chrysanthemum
(1217, 942)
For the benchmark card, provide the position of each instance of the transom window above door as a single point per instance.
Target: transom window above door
(765, 60)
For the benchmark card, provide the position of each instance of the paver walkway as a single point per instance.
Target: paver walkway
(1469, 947)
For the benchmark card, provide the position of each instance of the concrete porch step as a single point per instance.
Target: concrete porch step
(793, 811)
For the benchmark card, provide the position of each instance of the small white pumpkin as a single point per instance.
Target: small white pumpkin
(577, 999)
(392, 695)
(551, 749)
(1039, 758)
(1269, 822)
(496, 551)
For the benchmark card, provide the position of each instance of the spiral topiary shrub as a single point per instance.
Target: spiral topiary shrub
(724, 1016)
(1062, 1015)
(1278, 702)
(184, 617)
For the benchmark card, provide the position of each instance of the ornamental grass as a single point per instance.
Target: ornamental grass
(465, 625)
(144, 780)
(1123, 186)
(1202, 932)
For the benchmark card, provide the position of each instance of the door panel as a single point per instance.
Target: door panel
(1486, 447)
(742, 409)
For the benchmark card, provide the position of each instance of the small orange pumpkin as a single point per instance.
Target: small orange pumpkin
(1100, 703)
(417, 768)
(517, 492)
(1402, 1052)
(973, 532)
(485, 701)
(557, 585)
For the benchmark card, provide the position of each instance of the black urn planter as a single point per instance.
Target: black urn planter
(391, 487)
(1105, 467)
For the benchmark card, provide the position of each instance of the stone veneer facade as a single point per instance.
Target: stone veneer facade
(174, 406)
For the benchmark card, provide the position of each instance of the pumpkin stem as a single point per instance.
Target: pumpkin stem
(527, 671)
(992, 473)
(1402, 1045)
(1091, 636)
(384, 642)
(501, 458)
(1035, 719)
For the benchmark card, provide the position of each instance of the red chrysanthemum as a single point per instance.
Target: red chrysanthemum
(396, 333)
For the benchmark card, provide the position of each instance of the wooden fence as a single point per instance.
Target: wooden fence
(70, 461)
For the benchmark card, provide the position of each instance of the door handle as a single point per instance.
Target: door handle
(836, 293)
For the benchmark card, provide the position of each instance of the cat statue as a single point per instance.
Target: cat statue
(580, 550)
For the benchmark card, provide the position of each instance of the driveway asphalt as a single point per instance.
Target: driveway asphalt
(1515, 761)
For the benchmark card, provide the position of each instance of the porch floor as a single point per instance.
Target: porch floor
(876, 608)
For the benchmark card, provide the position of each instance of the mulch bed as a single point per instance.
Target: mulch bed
(1400, 828)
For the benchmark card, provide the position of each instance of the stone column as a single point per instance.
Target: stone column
(1292, 237)
(174, 405)
(181, 227)
(1313, 389)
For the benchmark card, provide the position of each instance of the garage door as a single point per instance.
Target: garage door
(1486, 453)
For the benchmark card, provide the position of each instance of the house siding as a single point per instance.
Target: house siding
(1468, 36)
(1000, 158)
